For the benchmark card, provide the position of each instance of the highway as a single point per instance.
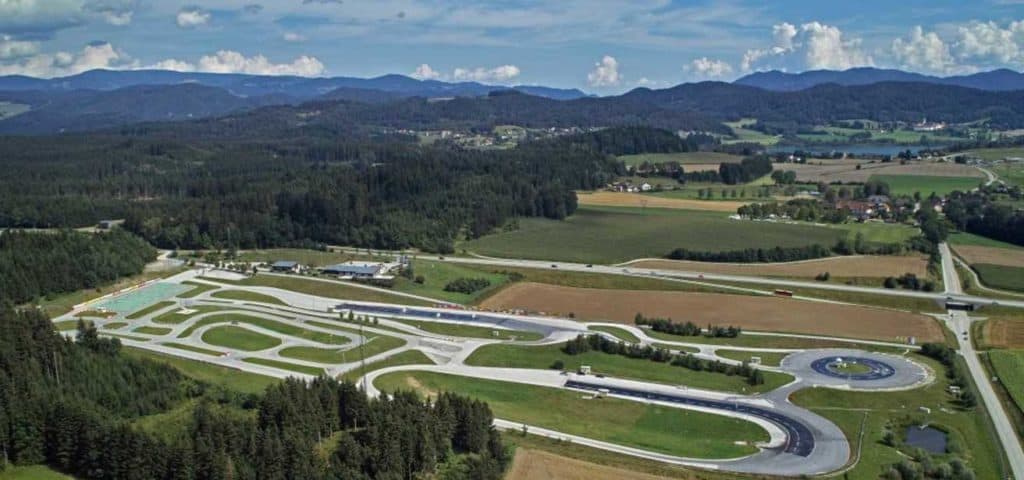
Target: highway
(960, 323)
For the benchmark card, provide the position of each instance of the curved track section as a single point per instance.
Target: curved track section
(884, 371)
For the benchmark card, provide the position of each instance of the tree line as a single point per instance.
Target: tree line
(34, 265)
(687, 329)
(977, 213)
(585, 343)
(72, 405)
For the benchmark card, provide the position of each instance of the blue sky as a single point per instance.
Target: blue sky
(602, 46)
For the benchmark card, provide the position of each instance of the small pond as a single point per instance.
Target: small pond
(930, 439)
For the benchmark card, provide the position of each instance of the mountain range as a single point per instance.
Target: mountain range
(995, 80)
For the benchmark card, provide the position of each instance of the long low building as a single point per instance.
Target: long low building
(355, 269)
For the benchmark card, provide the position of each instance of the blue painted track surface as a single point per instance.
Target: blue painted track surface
(879, 370)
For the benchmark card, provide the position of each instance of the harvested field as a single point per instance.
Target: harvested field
(1003, 333)
(622, 199)
(973, 254)
(540, 465)
(749, 312)
(846, 170)
(685, 158)
(853, 266)
(702, 167)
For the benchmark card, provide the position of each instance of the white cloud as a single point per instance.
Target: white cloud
(98, 55)
(499, 74)
(11, 48)
(988, 42)
(923, 51)
(813, 46)
(705, 67)
(115, 12)
(605, 73)
(827, 49)
(191, 17)
(228, 61)
(425, 72)
(293, 37)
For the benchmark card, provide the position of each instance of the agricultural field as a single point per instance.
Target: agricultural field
(749, 312)
(1013, 256)
(613, 235)
(962, 239)
(849, 267)
(926, 185)
(746, 135)
(859, 171)
(652, 427)
(542, 357)
(531, 464)
(1011, 173)
(1000, 276)
(645, 200)
(1009, 367)
(995, 154)
(684, 158)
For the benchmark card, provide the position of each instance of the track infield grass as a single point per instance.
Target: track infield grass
(542, 357)
(229, 378)
(329, 289)
(651, 427)
(285, 366)
(245, 296)
(238, 338)
(408, 357)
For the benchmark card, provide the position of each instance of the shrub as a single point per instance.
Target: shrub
(467, 285)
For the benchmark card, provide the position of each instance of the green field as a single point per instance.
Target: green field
(997, 153)
(329, 289)
(1009, 367)
(471, 331)
(309, 257)
(770, 359)
(150, 309)
(114, 325)
(247, 296)
(682, 157)
(761, 189)
(408, 357)
(620, 333)
(613, 235)
(286, 329)
(152, 330)
(651, 427)
(962, 238)
(554, 276)
(437, 274)
(66, 325)
(190, 348)
(285, 366)
(747, 135)
(969, 429)
(239, 338)
(321, 355)
(34, 472)
(908, 184)
(541, 357)
(230, 378)
(1012, 174)
(197, 289)
(1001, 276)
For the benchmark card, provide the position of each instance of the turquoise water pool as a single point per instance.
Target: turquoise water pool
(139, 299)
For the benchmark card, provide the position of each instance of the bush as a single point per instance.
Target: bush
(467, 285)
(558, 365)
(420, 279)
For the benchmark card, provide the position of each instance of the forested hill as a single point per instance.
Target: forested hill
(892, 101)
(73, 406)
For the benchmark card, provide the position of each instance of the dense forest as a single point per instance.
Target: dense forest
(245, 192)
(37, 264)
(71, 404)
(976, 213)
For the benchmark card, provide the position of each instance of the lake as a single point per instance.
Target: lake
(930, 439)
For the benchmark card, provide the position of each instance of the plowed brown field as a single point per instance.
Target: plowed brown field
(749, 312)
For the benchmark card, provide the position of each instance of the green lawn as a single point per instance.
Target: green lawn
(114, 325)
(542, 357)
(997, 153)
(150, 309)
(34, 472)
(682, 158)
(153, 330)
(321, 337)
(174, 318)
(437, 274)
(770, 359)
(613, 235)
(229, 378)
(197, 289)
(1009, 367)
(651, 427)
(332, 289)
(471, 331)
(908, 184)
(620, 333)
(1001, 276)
(961, 238)
(246, 296)
(285, 366)
(605, 281)
(970, 429)
(204, 351)
(408, 357)
(239, 338)
(65, 325)
(321, 355)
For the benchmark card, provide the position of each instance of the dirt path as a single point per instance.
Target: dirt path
(750, 312)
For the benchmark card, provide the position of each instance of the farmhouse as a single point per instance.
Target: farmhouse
(285, 266)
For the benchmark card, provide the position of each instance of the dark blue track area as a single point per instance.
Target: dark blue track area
(879, 370)
(454, 315)
(799, 440)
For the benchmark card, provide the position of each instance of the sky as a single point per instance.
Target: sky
(600, 46)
